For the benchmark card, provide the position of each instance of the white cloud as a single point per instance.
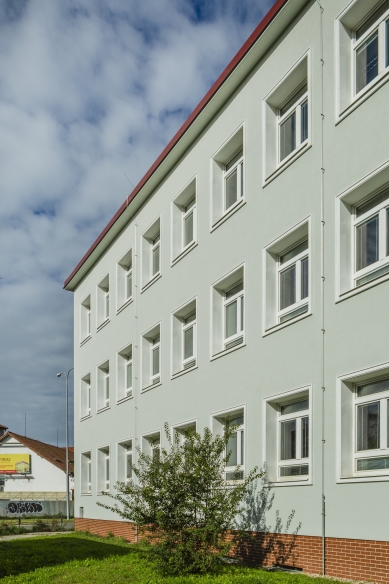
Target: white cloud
(88, 91)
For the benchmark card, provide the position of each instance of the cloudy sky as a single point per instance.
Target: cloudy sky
(89, 90)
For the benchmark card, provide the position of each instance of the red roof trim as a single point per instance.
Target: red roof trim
(196, 112)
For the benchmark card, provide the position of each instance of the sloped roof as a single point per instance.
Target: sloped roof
(53, 454)
(5, 427)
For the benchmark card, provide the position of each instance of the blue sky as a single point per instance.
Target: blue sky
(89, 90)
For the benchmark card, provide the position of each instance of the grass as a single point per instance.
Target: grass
(78, 558)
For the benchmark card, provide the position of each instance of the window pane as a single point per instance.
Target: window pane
(107, 387)
(376, 387)
(304, 278)
(288, 136)
(367, 243)
(369, 426)
(231, 188)
(188, 343)
(242, 447)
(188, 229)
(231, 319)
(129, 466)
(288, 287)
(288, 440)
(241, 313)
(156, 260)
(129, 285)
(129, 375)
(373, 463)
(304, 121)
(304, 437)
(232, 446)
(367, 62)
(156, 361)
(294, 252)
(107, 305)
(295, 407)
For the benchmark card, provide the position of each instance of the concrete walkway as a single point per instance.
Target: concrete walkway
(35, 534)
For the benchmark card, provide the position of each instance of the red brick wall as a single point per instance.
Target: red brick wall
(355, 559)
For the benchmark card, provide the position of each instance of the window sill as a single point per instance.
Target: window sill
(183, 371)
(363, 96)
(282, 325)
(103, 493)
(86, 494)
(102, 324)
(124, 399)
(151, 387)
(371, 478)
(85, 340)
(227, 351)
(184, 253)
(360, 289)
(104, 409)
(228, 214)
(151, 282)
(85, 417)
(291, 483)
(123, 306)
(284, 165)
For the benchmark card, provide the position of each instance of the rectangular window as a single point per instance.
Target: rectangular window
(103, 301)
(124, 373)
(188, 221)
(155, 360)
(371, 237)
(124, 464)
(189, 341)
(228, 312)
(293, 122)
(235, 449)
(86, 396)
(86, 473)
(155, 255)
(151, 357)
(124, 279)
(151, 444)
(372, 431)
(233, 179)
(86, 318)
(103, 386)
(103, 469)
(293, 439)
(293, 280)
(184, 338)
(234, 315)
(184, 221)
(151, 254)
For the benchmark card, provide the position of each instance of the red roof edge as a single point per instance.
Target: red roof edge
(271, 14)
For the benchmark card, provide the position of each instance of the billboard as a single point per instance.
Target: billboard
(15, 463)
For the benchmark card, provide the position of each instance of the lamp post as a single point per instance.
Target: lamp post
(67, 440)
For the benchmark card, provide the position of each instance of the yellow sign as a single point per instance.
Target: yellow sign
(14, 463)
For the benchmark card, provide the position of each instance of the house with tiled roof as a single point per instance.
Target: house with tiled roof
(32, 470)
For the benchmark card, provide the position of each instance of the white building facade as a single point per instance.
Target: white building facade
(247, 276)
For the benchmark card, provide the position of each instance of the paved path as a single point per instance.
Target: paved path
(35, 534)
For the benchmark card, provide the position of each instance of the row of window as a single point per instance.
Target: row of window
(288, 451)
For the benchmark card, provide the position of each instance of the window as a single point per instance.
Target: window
(363, 425)
(151, 253)
(103, 301)
(228, 312)
(86, 396)
(181, 432)
(228, 177)
(151, 444)
(125, 373)
(287, 277)
(287, 443)
(103, 470)
(151, 357)
(103, 383)
(287, 118)
(236, 445)
(184, 221)
(363, 49)
(86, 318)
(124, 467)
(362, 250)
(124, 279)
(184, 338)
(86, 473)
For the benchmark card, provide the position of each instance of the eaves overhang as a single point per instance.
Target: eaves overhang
(271, 27)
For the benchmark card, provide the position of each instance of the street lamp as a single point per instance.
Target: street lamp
(67, 440)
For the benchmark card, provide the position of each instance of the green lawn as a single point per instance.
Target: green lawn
(80, 558)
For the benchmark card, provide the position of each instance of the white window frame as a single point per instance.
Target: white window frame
(85, 319)
(180, 430)
(150, 442)
(124, 359)
(271, 438)
(298, 75)
(271, 269)
(347, 402)
(180, 365)
(103, 384)
(103, 463)
(188, 362)
(85, 396)
(185, 214)
(86, 472)
(156, 244)
(150, 380)
(151, 240)
(155, 346)
(297, 260)
(299, 460)
(178, 215)
(124, 269)
(218, 424)
(122, 459)
(347, 23)
(345, 223)
(219, 162)
(219, 302)
(103, 302)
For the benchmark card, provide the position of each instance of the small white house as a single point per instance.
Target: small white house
(32, 470)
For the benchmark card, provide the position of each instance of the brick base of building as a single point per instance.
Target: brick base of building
(355, 559)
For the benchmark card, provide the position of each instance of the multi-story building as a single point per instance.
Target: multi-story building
(247, 275)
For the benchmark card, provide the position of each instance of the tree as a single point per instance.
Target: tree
(182, 502)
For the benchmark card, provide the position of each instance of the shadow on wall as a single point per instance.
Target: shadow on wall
(264, 544)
